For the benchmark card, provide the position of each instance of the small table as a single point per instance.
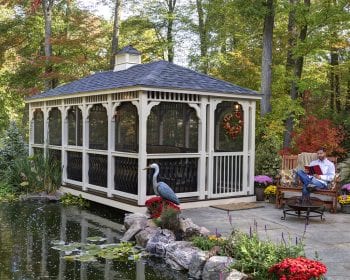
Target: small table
(302, 208)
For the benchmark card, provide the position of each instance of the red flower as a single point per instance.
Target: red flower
(155, 206)
(298, 269)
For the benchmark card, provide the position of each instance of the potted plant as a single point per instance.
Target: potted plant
(344, 201)
(298, 268)
(260, 183)
(270, 193)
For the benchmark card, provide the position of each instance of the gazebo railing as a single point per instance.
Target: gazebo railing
(227, 174)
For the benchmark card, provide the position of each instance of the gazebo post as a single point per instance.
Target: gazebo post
(252, 147)
(46, 129)
(202, 137)
(142, 174)
(245, 109)
(85, 171)
(31, 130)
(64, 141)
(111, 130)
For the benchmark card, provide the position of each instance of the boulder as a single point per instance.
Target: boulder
(159, 241)
(216, 268)
(197, 264)
(144, 235)
(203, 231)
(179, 254)
(130, 219)
(188, 228)
(134, 223)
(236, 275)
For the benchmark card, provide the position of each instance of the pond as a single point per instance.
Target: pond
(27, 230)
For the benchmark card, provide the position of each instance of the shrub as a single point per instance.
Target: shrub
(169, 218)
(267, 158)
(255, 256)
(207, 243)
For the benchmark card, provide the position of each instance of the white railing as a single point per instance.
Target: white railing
(227, 175)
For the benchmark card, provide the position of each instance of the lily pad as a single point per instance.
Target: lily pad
(96, 239)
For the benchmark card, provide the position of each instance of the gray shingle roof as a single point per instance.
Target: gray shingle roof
(160, 74)
(130, 50)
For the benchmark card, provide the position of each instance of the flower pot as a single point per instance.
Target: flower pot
(259, 192)
(272, 199)
(345, 208)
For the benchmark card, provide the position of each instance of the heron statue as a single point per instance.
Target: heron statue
(160, 188)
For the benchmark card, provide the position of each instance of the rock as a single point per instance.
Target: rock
(150, 223)
(132, 218)
(236, 275)
(158, 242)
(203, 231)
(144, 235)
(216, 268)
(197, 264)
(188, 228)
(179, 254)
(133, 225)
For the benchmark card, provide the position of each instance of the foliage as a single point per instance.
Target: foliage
(33, 174)
(267, 159)
(124, 251)
(6, 192)
(317, 133)
(12, 147)
(207, 243)
(255, 257)
(270, 190)
(298, 269)
(71, 200)
(169, 218)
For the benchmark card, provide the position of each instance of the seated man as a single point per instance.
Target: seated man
(315, 181)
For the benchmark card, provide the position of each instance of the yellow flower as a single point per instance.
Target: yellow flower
(344, 199)
(270, 190)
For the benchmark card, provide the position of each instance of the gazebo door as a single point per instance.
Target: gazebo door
(227, 161)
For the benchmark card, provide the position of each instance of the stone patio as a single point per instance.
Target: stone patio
(329, 238)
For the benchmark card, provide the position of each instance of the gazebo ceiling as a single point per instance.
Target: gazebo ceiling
(159, 74)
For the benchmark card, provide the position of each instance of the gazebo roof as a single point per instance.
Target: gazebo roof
(159, 74)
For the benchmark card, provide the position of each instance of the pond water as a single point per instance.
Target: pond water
(28, 228)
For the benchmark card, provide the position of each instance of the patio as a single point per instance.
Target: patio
(329, 238)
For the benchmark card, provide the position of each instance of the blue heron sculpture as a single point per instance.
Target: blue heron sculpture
(162, 189)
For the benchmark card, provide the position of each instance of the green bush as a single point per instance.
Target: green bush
(254, 256)
(267, 158)
(169, 219)
(207, 243)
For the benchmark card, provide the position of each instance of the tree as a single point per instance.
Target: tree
(266, 63)
(115, 36)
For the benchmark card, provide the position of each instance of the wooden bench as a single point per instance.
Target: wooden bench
(291, 162)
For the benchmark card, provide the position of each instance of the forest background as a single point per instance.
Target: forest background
(295, 52)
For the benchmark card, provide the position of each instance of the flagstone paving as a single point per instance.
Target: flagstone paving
(329, 238)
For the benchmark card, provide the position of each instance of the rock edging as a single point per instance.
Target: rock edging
(179, 255)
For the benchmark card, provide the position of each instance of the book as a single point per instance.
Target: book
(315, 169)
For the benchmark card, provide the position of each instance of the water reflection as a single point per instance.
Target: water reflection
(28, 228)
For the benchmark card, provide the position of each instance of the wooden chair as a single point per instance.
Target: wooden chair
(291, 162)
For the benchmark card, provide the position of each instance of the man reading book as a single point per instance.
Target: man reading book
(320, 173)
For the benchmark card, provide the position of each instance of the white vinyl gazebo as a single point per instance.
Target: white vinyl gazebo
(105, 128)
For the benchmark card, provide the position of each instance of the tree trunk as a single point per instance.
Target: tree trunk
(298, 69)
(170, 37)
(47, 10)
(115, 36)
(347, 102)
(266, 63)
(202, 30)
(335, 81)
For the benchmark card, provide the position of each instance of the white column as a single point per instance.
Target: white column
(202, 144)
(142, 174)
(46, 129)
(85, 156)
(64, 142)
(211, 134)
(245, 108)
(31, 130)
(111, 140)
(252, 147)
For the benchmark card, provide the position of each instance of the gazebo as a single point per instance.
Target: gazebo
(105, 128)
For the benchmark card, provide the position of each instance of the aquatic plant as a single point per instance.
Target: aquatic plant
(71, 200)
